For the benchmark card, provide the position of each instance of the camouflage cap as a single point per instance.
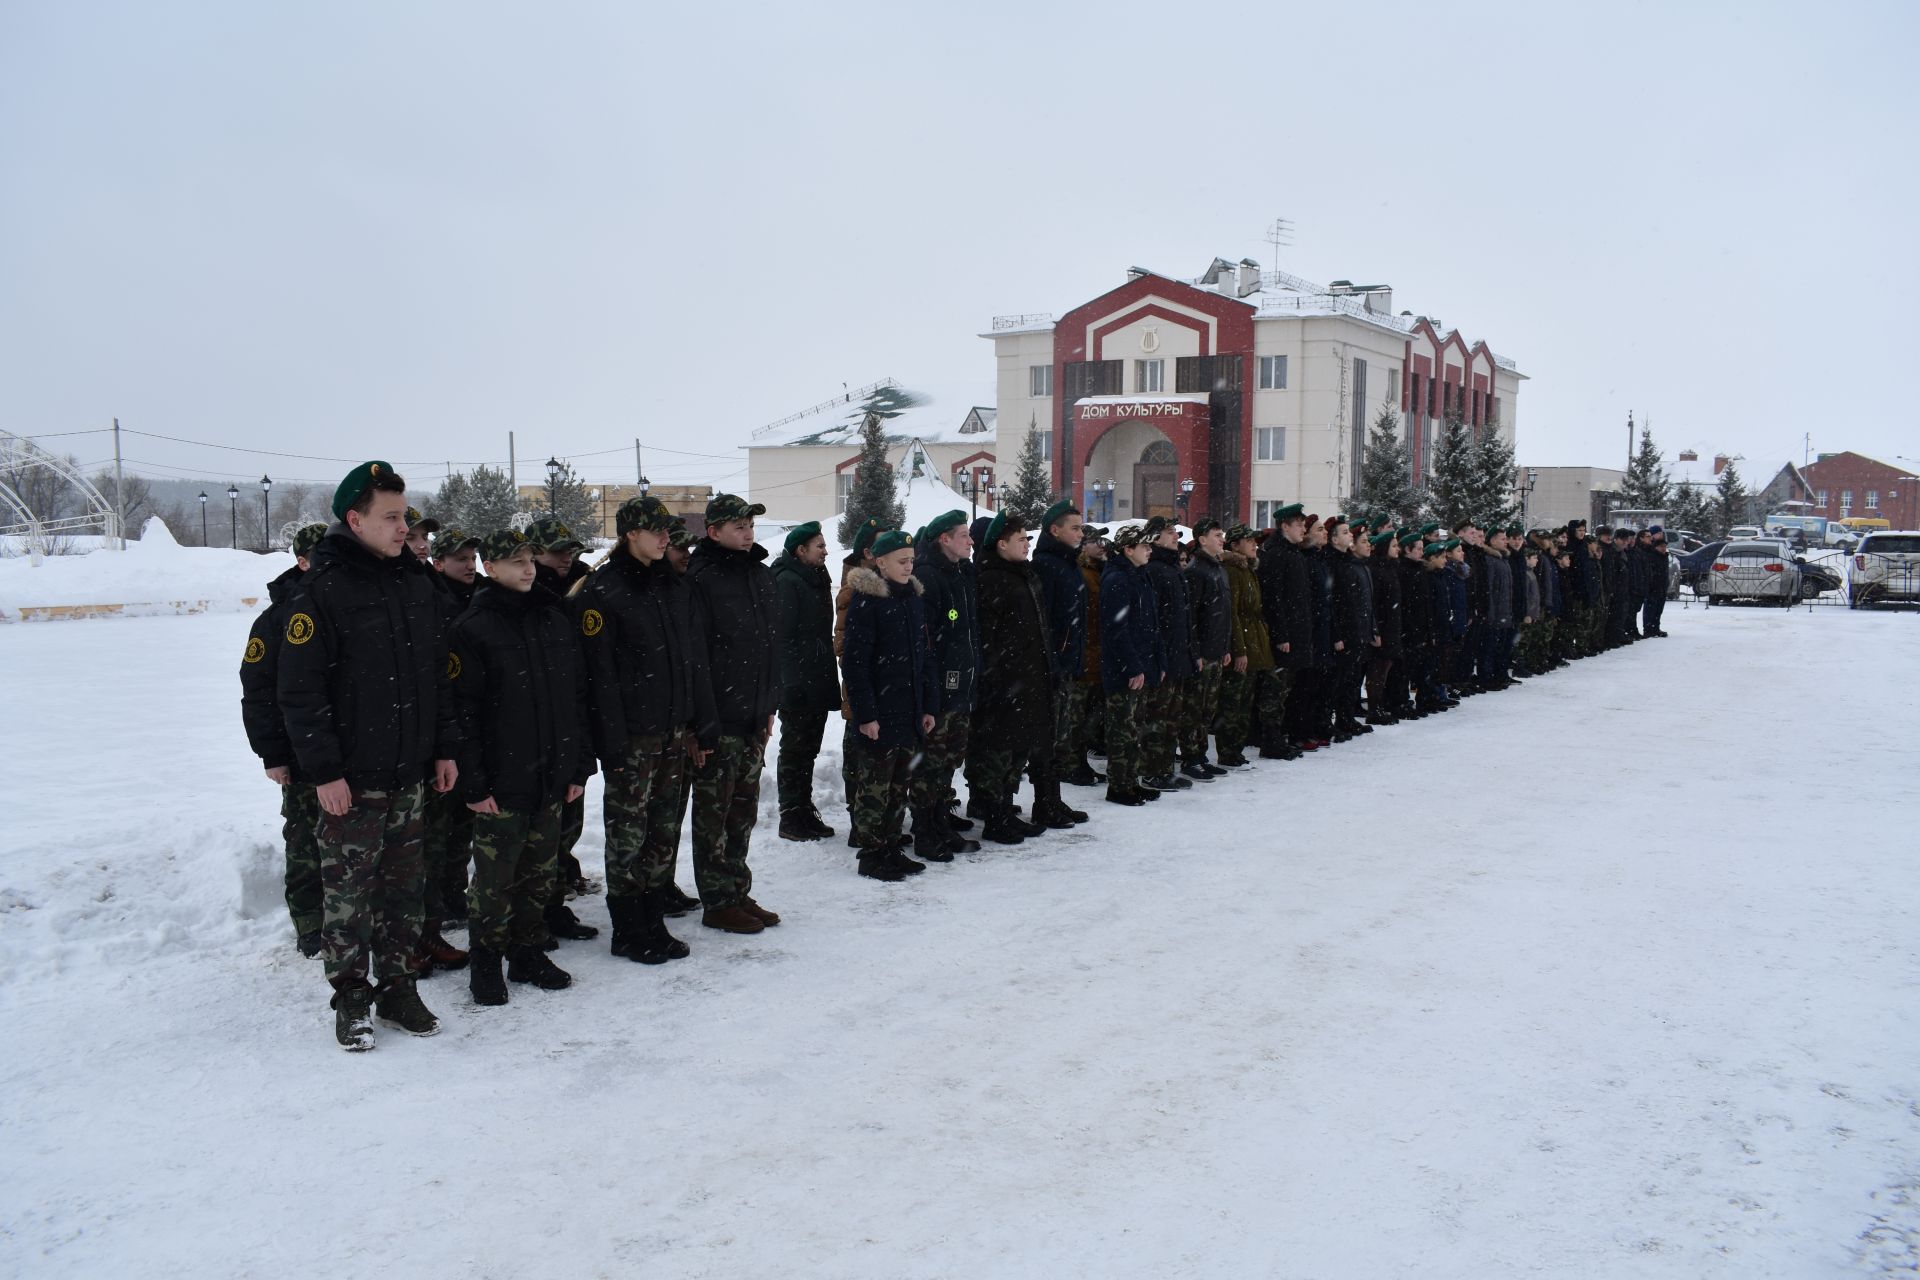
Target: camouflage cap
(1240, 531)
(1206, 525)
(307, 537)
(645, 512)
(1155, 526)
(890, 541)
(1131, 535)
(678, 535)
(722, 507)
(548, 534)
(425, 524)
(502, 543)
(450, 540)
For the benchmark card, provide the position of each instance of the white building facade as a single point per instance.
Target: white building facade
(804, 471)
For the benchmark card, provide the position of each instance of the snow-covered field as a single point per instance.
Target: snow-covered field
(1584, 980)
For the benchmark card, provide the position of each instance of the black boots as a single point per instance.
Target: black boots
(803, 824)
(562, 923)
(640, 932)
(483, 977)
(530, 964)
(1001, 825)
(1049, 810)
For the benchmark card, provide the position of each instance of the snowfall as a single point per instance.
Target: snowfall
(1610, 976)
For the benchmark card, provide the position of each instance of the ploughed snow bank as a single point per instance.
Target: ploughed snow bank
(154, 576)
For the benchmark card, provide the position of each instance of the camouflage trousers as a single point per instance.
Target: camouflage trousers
(800, 735)
(881, 778)
(726, 802)
(931, 790)
(1157, 724)
(994, 769)
(372, 876)
(1199, 705)
(1236, 712)
(1123, 737)
(1088, 707)
(515, 859)
(445, 851)
(573, 823)
(1271, 691)
(1062, 759)
(300, 809)
(641, 811)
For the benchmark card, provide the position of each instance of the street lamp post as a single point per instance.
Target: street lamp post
(553, 487)
(233, 514)
(203, 517)
(1526, 492)
(645, 484)
(1106, 506)
(266, 513)
(1184, 497)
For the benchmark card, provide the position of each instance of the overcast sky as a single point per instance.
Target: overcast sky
(403, 230)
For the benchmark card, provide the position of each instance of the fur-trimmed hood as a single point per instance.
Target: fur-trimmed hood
(1233, 559)
(868, 582)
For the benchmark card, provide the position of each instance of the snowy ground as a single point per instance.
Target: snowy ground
(1577, 981)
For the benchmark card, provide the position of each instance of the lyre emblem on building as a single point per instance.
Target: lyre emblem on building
(1150, 338)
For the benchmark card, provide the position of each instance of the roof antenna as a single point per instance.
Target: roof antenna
(1280, 236)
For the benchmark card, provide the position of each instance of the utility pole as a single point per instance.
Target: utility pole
(639, 470)
(1629, 439)
(513, 468)
(119, 491)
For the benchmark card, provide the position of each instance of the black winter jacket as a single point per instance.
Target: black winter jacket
(1285, 596)
(1065, 588)
(888, 665)
(735, 617)
(1498, 571)
(520, 683)
(645, 666)
(1416, 606)
(363, 671)
(1209, 607)
(1129, 632)
(1171, 615)
(1016, 675)
(1320, 597)
(1386, 604)
(953, 624)
(260, 672)
(808, 680)
(1352, 603)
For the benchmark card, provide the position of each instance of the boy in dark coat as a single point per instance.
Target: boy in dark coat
(1015, 718)
(267, 735)
(809, 683)
(1160, 716)
(521, 687)
(893, 695)
(449, 841)
(943, 567)
(1210, 620)
(1288, 602)
(1131, 660)
(1056, 566)
(556, 553)
(1248, 680)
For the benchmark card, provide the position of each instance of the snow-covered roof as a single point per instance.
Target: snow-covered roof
(924, 423)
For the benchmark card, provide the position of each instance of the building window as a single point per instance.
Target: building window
(1046, 445)
(844, 484)
(1846, 501)
(1820, 499)
(1263, 509)
(1269, 444)
(1149, 375)
(1392, 385)
(1040, 380)
(1495, 419)
(1873, 499)
(1273, 373)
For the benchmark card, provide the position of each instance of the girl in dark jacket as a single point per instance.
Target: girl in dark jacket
(1132, 660)
(1384, 565)
(892, 696)
(1016, 714)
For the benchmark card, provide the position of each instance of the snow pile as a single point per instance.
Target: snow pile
(154, 575)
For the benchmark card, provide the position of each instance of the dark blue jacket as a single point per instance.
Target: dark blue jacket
(1129, 628)
(1065, 590)
(953, 623)
(1320, 592)
(1170, 613)
(1456, 586)
(887, 663)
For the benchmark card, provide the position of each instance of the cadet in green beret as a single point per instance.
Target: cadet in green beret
(1210, 623)
(809, 677)
(943, 565)
(267, 735)
(1014, 720)
(1056, 564)
(363, 688)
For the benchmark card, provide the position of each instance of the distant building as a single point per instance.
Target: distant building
(1561, 494)
(1851, 484)
(804, 470)
(1257, 386)
(688, 501)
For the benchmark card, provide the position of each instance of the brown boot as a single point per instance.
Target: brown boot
(442, 953)
(765, 916)
(734, 918)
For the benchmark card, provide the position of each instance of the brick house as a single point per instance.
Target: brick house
(1852, 484)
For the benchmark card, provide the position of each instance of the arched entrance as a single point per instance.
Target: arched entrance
(1131, 473)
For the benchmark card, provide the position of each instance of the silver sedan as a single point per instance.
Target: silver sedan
(1753, 570)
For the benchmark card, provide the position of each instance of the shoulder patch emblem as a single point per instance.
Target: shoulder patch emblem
(256, 649)
(453, 666)
(953, 615)
(591, 623)
(299, 629)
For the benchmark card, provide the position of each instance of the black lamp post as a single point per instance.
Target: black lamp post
(973, 494)
(266, 513)
(553, 487)
(233, 514)
(1184, 497)
(1106, 505)
(1526, 492)
(645, 484)
(203, 517)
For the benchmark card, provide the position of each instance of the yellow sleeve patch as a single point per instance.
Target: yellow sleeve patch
(299, 629)
(256, 649)
(591, 623)
(453, 666)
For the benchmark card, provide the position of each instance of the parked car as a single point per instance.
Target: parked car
(1754, 569)
(1818, 579)
(1690, 570)
(1746, 531)
(1885, 567)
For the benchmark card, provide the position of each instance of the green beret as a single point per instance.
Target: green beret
(356, 484)
(548, 534)
(722, 507)
(890, 541)
(1515, 531)
(919, 535)
(944, 522)
(864, 535)
(802, 533)
(646, 512)
(997, 527)
(450, 540)
(502, 543)
(1058, 511)
(1431, 526)
(1410, 537)
(1381, 539)
(307, 537)
(1240, 531)
(1292, 511)
(1381, 521)
(1206, 525)
(1434, 549)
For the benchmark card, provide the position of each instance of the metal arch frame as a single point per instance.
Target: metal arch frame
(23, 452)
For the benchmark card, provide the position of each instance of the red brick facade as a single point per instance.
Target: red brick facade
(1895, 490)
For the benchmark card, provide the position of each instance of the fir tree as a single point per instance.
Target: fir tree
(1493, 471)
(1731, 501)
(874, 494)
(570, 499)
(1693, 511)
(1455, 492)
(1386, 472)
(1031, 492)
(1647, 487)
(477, 504)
